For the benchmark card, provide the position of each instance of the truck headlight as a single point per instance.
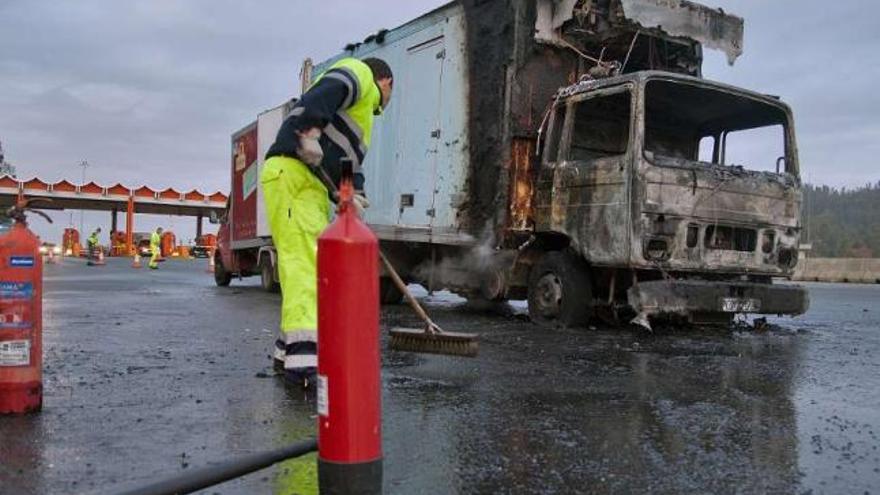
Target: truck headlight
(44, 250)
(657, 250)
(56, 249)
(788, 257)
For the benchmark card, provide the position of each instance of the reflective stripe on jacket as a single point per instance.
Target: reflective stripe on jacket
(352, 127)
(342, 103)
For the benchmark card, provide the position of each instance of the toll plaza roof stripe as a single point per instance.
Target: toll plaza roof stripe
(94, 196)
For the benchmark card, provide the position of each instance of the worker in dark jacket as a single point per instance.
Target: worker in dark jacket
(332, 121)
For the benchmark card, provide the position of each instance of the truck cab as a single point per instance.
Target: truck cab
(676, 195)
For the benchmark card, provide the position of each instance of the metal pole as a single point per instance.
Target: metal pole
(84, 164)
(214, 475)
(198, 227)
(129, 226)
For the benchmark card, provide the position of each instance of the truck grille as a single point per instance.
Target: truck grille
(727, 238)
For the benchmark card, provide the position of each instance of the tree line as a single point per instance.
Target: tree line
(842, 223)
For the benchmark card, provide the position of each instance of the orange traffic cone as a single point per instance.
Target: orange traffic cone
(210, 262)
(136, 262)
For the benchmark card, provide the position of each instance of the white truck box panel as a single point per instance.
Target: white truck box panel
(268, 124)
(418, 153)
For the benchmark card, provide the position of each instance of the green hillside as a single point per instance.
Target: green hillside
(842, 222)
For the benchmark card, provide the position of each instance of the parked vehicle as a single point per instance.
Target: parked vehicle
(204, 245)
(142, 243)
(50, 247)
(570, 154)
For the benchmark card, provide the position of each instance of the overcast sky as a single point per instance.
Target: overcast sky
(149, 91)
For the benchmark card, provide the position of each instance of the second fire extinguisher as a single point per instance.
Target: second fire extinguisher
(21, 296)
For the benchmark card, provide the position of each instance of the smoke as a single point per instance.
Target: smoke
(468, 268)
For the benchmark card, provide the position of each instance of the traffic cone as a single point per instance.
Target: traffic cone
(210, 262)
(136, 263)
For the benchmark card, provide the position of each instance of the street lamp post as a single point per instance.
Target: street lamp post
(84, 164)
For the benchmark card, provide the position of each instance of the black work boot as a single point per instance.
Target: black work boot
(307, 379)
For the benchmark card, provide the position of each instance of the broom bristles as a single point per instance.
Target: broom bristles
(448, 343)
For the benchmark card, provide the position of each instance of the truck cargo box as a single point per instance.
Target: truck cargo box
(243, 197)
(247, 211)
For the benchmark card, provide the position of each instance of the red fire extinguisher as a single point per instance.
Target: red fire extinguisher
(349, 384)
(21, 320)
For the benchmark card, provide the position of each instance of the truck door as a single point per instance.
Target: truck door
(588, 197)
(418, 132)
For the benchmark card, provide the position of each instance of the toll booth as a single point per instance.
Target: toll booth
(208, 241)
(168, 244)
(118, 247)
(70, 242)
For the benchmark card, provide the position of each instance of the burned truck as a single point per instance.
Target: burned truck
(569, 152)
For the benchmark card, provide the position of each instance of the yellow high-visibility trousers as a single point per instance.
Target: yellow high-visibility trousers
(154, 257)
(298, 210)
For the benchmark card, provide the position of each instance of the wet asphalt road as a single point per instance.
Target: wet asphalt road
(148, 374)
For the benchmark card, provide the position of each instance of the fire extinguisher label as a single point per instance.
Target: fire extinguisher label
(16, 290)
(15, 353)
(21, 261)
(323, 396)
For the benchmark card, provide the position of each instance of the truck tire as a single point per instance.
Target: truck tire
(221, 276)
(388, 292)
(267, 276)
(560, 294)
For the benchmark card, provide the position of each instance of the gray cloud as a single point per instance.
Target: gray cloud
(820, 60)
(149, 90)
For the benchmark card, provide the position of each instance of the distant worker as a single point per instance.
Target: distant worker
(92, 244)
(155, 248)
(332, 121)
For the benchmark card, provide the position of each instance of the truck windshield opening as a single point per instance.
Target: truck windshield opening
(601, 127)
(687, 124)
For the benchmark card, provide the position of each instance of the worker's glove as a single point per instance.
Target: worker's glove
(360, 203)
(309, 149)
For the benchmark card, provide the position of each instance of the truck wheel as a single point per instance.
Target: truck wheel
(267, 276)
(560, 294)
(388, 292)
(221, 276)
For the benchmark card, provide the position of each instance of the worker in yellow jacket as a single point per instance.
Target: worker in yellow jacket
(331, 122)
(155, 248)
(92, 244)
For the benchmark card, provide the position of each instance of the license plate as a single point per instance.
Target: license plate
(15, 353)
(740, 304)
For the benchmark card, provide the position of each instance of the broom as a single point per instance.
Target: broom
(433, 339)
(430, 340)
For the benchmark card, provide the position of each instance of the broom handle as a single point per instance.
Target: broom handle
(432, 327)
(409, 297)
